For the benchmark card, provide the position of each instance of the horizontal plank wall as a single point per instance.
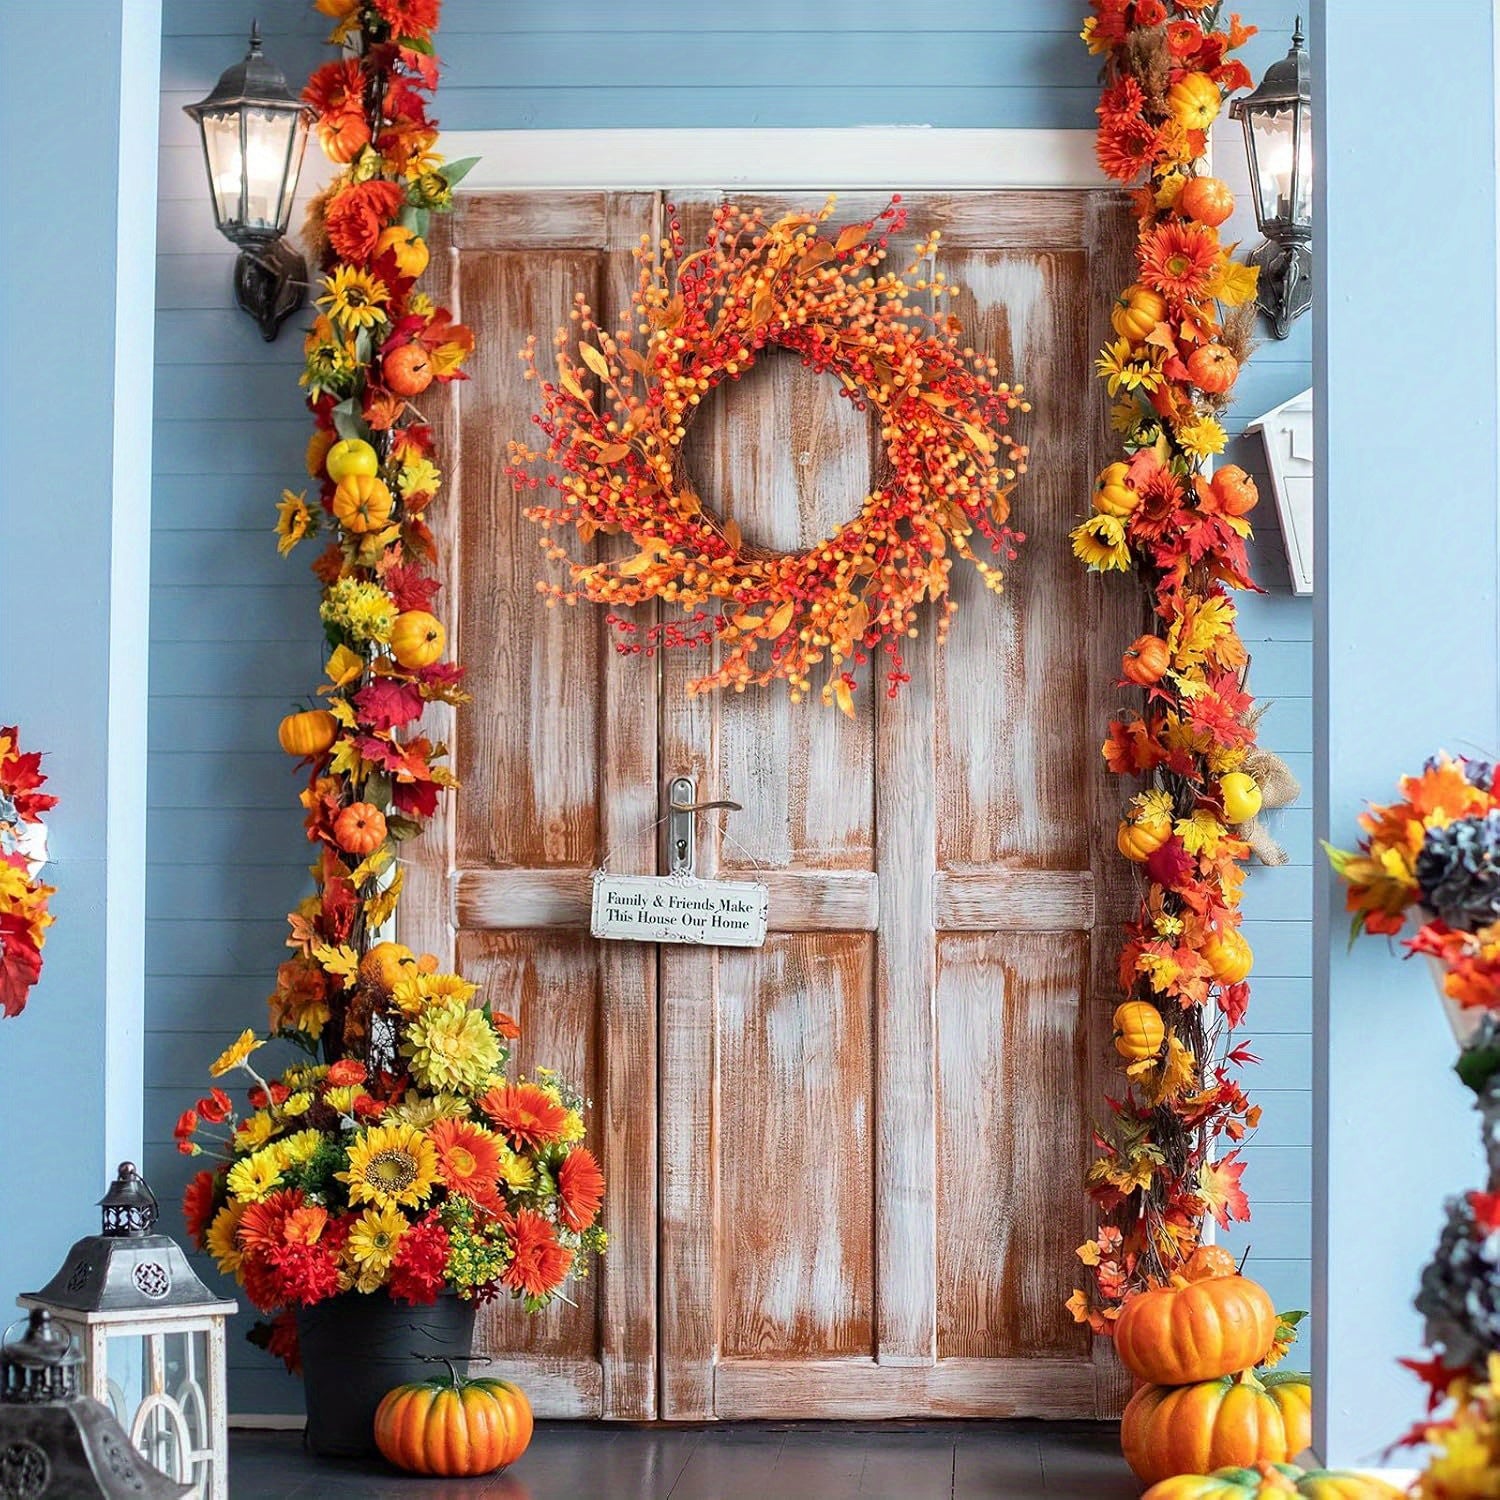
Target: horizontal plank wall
(234, 638)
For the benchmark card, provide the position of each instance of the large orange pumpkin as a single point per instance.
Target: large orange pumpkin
(360, 828)
(1211, 1424)
(1206, 199)
(1147, 660)
(1189, 1331)
(1271, 1480)
(453, 1427)
(362, 502)
(417, 638)
(309, 733)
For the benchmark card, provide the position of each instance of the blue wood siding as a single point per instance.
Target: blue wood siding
(233, 641)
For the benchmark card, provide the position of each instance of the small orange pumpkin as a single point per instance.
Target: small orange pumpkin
(386, 964)
(344, 135)
(407, 370)
(362, 503)
(1194, 101)
(1229, 955)
(1235, 490)
(1137, 311)
(1139, 840)
(1139, 1030)
(1274, 1482)
(1229, 1422)
(1209, 1261)
(1188, 1331)
(1213, 368)
(1114, 495)
(452, 1426)
(309, 733)
(406, 247)
(1147, 660)
(359, 828)
(1206, 199)
(417, 639)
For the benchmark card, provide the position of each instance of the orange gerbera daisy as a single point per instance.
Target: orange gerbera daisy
(468, 1158)
(525, 1114)
(539, 1264)
(198, 1205)
(264, 1224)
(1178, 259)
(580, 1187)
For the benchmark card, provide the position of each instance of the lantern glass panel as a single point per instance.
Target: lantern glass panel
(1281, 149)
(158, 1391)
(221, 147)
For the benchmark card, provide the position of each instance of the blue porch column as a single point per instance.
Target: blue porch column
(78, 111)
(1406, 656)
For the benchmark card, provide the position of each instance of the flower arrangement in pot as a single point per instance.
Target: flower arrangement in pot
(369, 1203)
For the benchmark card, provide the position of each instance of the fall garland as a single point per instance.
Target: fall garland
(24, 918)
(706, 317)
(1183, 329)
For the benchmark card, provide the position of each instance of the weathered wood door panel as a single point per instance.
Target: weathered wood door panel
(868, 1135)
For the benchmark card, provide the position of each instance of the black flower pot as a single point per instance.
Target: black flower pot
(355, 1348)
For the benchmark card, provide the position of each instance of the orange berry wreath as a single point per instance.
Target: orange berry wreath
(614, 461)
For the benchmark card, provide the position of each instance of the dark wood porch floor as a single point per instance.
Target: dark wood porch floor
(745, 1461)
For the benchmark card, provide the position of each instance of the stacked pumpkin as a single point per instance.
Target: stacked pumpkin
(1268, 1481)
(1193, 1345)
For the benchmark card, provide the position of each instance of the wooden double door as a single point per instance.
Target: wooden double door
(845, 1168)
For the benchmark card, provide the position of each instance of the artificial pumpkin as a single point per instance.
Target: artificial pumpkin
(1146, 661)
(1235, 490)
(1139, 839)
(1114, 494)
(1208, 1261)
(386, 964)
(1270, 1480)
(407, 370)
(453, 1426)
(1194, 101)
(350, 456)
(1228, 955)
(1240, 796)
(1137, 311)
(362, 503)
(1139, 1030)
(359, 828)
(417, 639)
(1191, 1429)
(344, 135)
(1212, 368)
(1189, 1331)
(1206, 199)
(309, 733)
(406, 247)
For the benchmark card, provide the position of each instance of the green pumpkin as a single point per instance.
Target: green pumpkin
(1271, 1481)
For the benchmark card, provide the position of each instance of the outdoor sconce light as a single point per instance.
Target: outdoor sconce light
(1277, 120)
(152, 1337)
(254, 134)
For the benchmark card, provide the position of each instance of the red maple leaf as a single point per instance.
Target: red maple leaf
(385, 704)
(20, 964)
(1437, 1377)
(1219, 1187)
(340, 903)
(1129, 749)
(1234, 1001)
(417, 799)
(408, 588)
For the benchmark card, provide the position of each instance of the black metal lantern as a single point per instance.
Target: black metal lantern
(56, 1444)
(1277, 120)
(254, 133)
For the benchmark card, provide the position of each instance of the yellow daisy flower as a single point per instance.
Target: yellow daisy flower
(254, 1132)
(354, 297)
(221, 1240)
(299, 1148)
(1100, 542)
(424, 1110)
(516, 1171)
(1201, 438)
(452, 1047)
(255, 1177)
(390, 1166)
(572, 1127)
(293, 521)
(373, 1239)
(342, 1098)
(298, 1103)
(234, 1055)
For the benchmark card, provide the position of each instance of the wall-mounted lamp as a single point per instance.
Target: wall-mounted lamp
(1277, 120)
(254, 133)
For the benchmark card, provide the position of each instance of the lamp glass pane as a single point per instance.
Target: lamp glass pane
(1303, 195)
(221, 145)
(1274, 158)
(269, 136)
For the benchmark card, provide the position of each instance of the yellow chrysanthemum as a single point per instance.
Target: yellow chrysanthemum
(424, 1110)
(256, 1176)
(363, 611)
(254, 1132)
(372, 1243)
(342, 1097)
(1162, 971)
(299, 1148)
(452, 1047)
(573, 1128)
(304, 1075)
(234, 1055)
(355, 298)
(1100, 542)
(390, 1166)
(298, 1103)
(1202, 437)
(516, 1171)
(293, 521)
(221, 1241)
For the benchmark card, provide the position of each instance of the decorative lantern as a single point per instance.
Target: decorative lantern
(152, 1337)
(254, 134)
(56, 1444)
(1277, 120)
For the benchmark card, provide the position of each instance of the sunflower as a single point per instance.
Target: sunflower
(255, 1177)
(293, 521)
(451, 1047)
(1128, 369)
(580, 1188)
(538, 1263)
(355, 298)
(234, 1055)
(390, 1165)
(372, 1242)
(1178, 259)
(468, 1158)
(222, 1240)
(525, 1114)
(1100, 542)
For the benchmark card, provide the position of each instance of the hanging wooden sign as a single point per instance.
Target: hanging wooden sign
(680, 909)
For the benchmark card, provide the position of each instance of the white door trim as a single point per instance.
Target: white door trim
(877, 157)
